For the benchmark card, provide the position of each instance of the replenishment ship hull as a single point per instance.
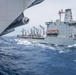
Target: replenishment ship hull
(52, 41)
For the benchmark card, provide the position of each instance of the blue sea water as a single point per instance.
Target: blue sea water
(20, 57)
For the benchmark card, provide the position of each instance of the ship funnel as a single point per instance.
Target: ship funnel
(68, 15)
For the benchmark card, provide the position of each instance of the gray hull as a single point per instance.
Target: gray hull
(10, 10)
(53, 40)
(60, 41)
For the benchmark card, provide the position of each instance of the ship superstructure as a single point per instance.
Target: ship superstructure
(60, 32)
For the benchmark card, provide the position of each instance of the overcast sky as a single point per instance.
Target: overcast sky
(45, 12)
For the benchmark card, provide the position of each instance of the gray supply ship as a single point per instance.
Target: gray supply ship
(57, 33)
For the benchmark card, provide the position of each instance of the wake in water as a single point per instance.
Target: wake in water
(21, 57)
(61, 49)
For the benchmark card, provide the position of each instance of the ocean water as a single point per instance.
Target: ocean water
(20, 57)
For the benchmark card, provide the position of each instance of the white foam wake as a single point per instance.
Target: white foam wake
(74, 45)
(22, 42)
(25, 42)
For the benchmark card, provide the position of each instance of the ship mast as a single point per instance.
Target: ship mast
(60, 13)
(36, 31)
(42, 29)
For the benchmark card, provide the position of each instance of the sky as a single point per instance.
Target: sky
(45, 12)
